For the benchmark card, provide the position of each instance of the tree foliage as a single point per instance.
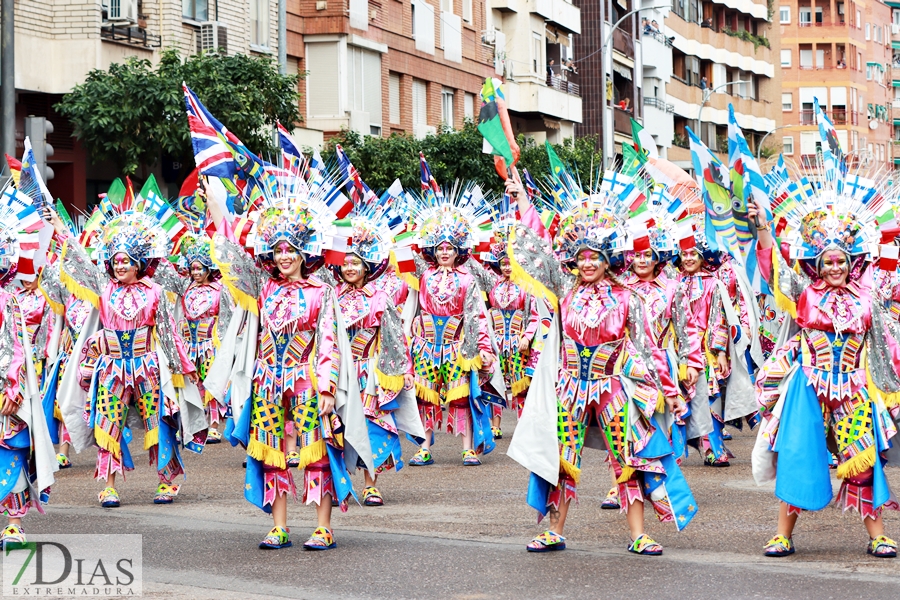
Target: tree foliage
(452, 155)
(133, 112)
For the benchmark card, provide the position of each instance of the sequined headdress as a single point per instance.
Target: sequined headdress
(23, 244)
(195, 245)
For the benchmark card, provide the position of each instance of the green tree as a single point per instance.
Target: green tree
(452, 155)
(132, 113)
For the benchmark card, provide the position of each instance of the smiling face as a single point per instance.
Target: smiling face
(199, 273)
(124, 269)
(31, 285)
(353, 270)
(834, 268)
(288, 261)
(691, 261)
(644, 266)
(505, 267)
(591, 266)
(445, 254)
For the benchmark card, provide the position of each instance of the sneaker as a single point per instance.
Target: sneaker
(321, 539)
(470, 459)
(109, 498)
(276, 539)
(421, 458)
(213, 436)
(12, 537)
(63, 460)
(612, 500)
(165, 494)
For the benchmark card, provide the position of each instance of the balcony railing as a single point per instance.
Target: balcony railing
(660, 104)
(837, 116)
(132, 35)
(658, 36)
(622, 121)
(563, 85)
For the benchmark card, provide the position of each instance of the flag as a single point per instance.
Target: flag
(356, 188)
(887, 260)
(30, 181)
(209, 138)
(15, 168)
(557, 168)
(643, 141)
(406, 262)
(494, 126)
(429, 184)
(339, 242)
(713, 178)
(152, 202)
(287, 142)
(832, 155)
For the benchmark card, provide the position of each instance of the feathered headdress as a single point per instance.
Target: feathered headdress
(23, 248)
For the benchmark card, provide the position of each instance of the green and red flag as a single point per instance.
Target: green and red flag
(495, 127)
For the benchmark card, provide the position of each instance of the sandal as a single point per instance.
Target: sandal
(63, 460)
(109, 498)
(165, 494)
(470, 459)
(276, 539)
(646, 545)
(547, 542)
(213, 436)
(497, 433)
(612, 500)
(779, 546)
(372, 497)
(321, 539)
(882, 547)
(726, 437)
(12, 537)
(712, 461)
(292, 459)
(421, 458)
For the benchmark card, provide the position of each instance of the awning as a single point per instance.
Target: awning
(623, 71)
(895, 83)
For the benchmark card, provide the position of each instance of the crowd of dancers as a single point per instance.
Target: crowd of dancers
(313, 323)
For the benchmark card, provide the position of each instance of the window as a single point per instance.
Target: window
(868, 72)
(806, 59)
(786, 58)
(196, 10)
(322, 64)
(868, 31)
(420, 102)
(805, 17)
(895, 17)
(469, 106)
(878, 37)
(447, 107)
(467, 11)
(692, 70)
(259, 23)
(394, 98)
(858, 19)
(787, 143)
(364, 87)
(537, 50)
(447, 6)
(412, 7)
(784, 14)
(787, 102)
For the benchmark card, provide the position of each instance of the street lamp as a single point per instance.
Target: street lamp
(708, 93)
(763, 140)
(607, 134)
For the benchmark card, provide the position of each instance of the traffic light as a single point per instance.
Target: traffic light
(37, 129)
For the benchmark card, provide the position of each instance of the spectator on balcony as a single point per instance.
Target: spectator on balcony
(570, 67)
(707, 23)
(625, 104)
(645, 25)
(550, 64)
(841, 64)
(704, 84)
(654, 26)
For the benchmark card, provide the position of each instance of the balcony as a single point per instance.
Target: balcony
(537, 97)
(563, 85)
(559, 12)
(129, 34)
(657, 54)
(659, 104)
(838, 117)
(622, 121)
(623, 42)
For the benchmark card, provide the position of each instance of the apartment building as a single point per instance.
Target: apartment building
(393, 66)
(895, 81)
(656, 55)
(57, 42)
(721, 53)
(838, 52)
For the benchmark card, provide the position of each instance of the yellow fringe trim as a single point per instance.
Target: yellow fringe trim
(107, 442)
(271, 457)
(682, 372)
(410, 280)
(171, 296)
(241, 298)
(207, 397)
(457, 393)
(890, 400)
(519, 387)
(570, 470)
(312, 453)
(781, 301)
(75, 288)
(178, 380)
(391, 383)
(521, 277)
(469, 364)
(660, 403)
(56, 307)
(151, 438)
(426, 394)
(860, 463)
(627, 473)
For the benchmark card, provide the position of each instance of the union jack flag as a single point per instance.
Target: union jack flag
(210, 139)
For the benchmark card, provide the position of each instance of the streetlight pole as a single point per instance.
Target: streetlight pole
(708, 93)
(604, 129)
(763, 140)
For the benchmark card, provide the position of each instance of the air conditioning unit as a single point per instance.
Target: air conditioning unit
(123, 11)
(421, 131)
(360, 122)
(212, 37)
(895, 29)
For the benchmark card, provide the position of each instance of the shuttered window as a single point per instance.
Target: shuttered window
(321, 82)
(420, 103)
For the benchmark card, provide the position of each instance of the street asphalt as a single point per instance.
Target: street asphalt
(448, 531)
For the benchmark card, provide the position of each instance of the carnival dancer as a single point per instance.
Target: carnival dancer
(301, 359)
(451, 344)
(841, 368)
(609, 373)
(135, 350)
(26, 451)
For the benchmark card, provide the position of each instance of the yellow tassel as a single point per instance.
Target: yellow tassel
(312, 453)
(519, 387)
(427, 394)
(682, 372)
(889, 399)
(75, 288)
(457, 393)
(151, 438)
(570, 470)
(469, 364)
(272, 457)
(241, 298)
(627, 473)
(521, 277)
(207, 397)
(781, 301)
(391, 383)
(660, 403)
(171, 296)
(56, 307)
(178, 380)
(411, 280)
(107, 442)
(860, 463)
